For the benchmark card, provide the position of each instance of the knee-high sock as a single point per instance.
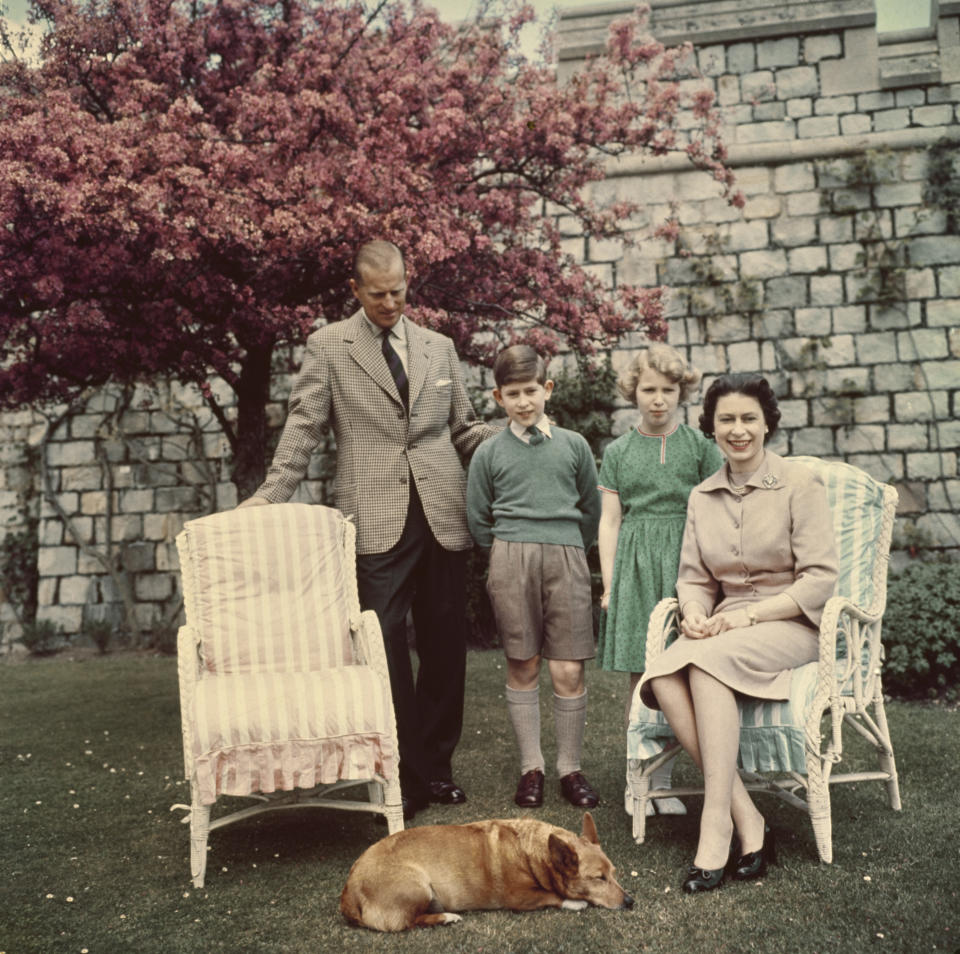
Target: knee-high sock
(570, 716)
(523, 705)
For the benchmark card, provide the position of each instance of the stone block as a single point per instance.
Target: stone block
(741, 58)
(815, 441)
(793, 414)
(871, 410)
(85, 425)
(184, 499)
(948, 280)
(884, 317)
(941, 115)
(821, 46)
(931, 465)
(911, 497)
(813, 322)
(919, 405)
(860, 438)
(766, 132)
(783, 51)
(137, 557)
(68, 502)
(847, 381)
(79, 531)
(747, 235)
(797, 108)
(744, 356)
(790, 232)
(836, 105)
(729, 328)
(908, 437)
(846, 256)
(167, 557)
(810, 258)
(855, 124)
(944, 495)
(941, 374)
(891, 119)
(803, 203)
(136, 501)
(836, 228)
(791, 291)
(70, 453)
(798, 81)
(857, 71)
(712, 60)
(795, 177)
(93, 502)
(87, 477)
(57, 561)
(74, 590)
(771, 323)
(728, 90)
(871, 102)
(877, 348)
(919, 220)
(757, 87)
(767, 263)
(762, 207)
(754, 180)
(943, 312)
(942, 528)
(50, 532)
(46, 591)
(826, 290)
(68, 618)
(126, 527)
(884, 467)
(153, 586)
(922, 343)
(768, 357)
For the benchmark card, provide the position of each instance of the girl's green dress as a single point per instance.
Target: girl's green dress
(653, 474)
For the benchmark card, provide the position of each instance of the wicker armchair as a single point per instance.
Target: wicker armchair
(783, 739)
(284, 692)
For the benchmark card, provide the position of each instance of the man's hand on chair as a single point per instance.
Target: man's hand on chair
(252, 502)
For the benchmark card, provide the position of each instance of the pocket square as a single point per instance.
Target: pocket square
(443, 383)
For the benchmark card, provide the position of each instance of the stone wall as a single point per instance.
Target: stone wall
(839, 280)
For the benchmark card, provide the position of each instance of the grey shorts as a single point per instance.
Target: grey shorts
(540, 593)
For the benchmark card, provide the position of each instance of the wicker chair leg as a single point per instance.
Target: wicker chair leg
(888, 763)
(199, 832)
(818, 802)
(638, 785)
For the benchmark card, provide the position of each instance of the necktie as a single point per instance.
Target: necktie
(536, 436)
(396, 367)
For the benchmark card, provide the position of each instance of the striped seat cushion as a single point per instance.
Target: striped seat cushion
(772, 737)
(274, 731)
(267, 592)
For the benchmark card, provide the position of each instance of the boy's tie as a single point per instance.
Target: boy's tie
(396, 367)
(536, 436)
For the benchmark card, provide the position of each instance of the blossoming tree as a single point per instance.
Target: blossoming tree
(183, 184)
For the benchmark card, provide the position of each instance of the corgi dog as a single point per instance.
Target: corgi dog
(420, 876)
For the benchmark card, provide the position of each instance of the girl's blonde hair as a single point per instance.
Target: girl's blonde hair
(668, 361)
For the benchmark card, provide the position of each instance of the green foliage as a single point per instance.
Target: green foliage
(18, 571)
(100, 632)
(584, 400)
(42, 637)
(943, 182)
(922, 631)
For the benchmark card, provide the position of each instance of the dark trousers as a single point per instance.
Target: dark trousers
(419, 574)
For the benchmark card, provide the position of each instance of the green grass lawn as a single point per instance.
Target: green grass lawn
(94, 861)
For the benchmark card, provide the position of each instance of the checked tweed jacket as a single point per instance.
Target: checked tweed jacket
(344, 383)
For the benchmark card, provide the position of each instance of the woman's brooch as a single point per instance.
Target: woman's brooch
(769, 480)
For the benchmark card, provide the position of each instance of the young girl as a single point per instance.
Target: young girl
(646, 476)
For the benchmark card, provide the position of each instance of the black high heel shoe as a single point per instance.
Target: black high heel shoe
(754, 863)
(702, 879)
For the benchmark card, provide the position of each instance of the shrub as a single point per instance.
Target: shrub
(921, 631)
(42, 637)
(100, 633)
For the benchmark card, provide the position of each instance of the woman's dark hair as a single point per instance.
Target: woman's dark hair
(752, 385)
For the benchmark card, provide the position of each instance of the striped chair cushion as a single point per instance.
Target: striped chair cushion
(273, 731)
(772, 737)
(266, 596)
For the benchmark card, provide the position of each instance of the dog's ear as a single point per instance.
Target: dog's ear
(563, 858)
(590, 829)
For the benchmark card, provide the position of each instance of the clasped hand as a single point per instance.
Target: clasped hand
(701, 626)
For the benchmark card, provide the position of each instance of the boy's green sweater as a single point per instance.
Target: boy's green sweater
(543, 493)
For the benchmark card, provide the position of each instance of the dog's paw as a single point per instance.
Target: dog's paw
(449, 918)
(569, 905)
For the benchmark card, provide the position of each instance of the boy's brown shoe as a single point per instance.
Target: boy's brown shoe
(578, 791)
(530, 789)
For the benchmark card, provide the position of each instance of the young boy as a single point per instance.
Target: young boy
(532, 497)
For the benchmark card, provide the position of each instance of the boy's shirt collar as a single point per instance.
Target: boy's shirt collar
(543, 425)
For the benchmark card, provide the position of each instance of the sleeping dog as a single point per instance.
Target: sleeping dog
(418, 877)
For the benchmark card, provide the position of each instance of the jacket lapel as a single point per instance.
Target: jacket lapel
(366, 350)
(418, 360)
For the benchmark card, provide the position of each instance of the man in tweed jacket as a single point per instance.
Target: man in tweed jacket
(400, 477)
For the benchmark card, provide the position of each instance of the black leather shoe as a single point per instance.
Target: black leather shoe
(578, 791)
(530, 789)
(754, 863)
(702, 879)
(447, 793)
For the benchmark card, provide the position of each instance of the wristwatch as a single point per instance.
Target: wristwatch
(752, 615)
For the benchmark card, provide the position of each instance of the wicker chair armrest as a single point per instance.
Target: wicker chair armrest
(368, 641)
(188, 671)
(663, 626)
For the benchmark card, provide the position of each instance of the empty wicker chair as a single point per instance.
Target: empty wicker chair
(284, 691)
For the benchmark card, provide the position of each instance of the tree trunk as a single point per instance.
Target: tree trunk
(253, 393)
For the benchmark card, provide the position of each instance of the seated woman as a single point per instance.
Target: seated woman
(756, 568)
